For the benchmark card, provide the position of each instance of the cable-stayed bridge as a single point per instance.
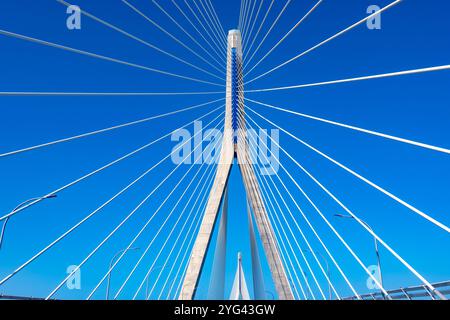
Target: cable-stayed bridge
(181, 241)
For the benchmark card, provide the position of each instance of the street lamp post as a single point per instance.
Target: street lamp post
(148, 278)
(2, 234)
(376, 246)
(110, 266)
(328, 271)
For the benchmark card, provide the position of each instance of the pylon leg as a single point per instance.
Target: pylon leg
(204, 236)
(216, 289)
(264, 227)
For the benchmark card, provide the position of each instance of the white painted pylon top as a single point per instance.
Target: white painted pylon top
(234, 38)
(240, 289)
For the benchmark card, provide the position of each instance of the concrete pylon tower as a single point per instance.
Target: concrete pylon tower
(235, 146)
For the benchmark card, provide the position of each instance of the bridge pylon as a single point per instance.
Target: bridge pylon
(235, 147)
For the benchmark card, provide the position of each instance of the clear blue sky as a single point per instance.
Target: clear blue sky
(414, 34)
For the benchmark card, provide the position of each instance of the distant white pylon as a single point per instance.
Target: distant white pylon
(240, 289)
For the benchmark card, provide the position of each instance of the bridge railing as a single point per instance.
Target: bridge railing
(410, 293)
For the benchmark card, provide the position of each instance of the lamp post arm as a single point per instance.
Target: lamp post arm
(5, 222)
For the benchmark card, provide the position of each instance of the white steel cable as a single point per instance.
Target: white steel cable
(146, 43)
(248, 23)
(214, 12)
(189, 35)
(371, 77)
(146, 225)
(270, 231)
(196, 229)
(283, 231)
(301, 232)
(87, 258)
(377, 282)
(320, 213)
(328, 39)
(69, 231)
(282, 253)
(240, 14)
(101, 57)
(112, 267)
(267, 201)
(218, 52)
(286, 254)
(266, 184)
(362, 178)
(110, 164)
(268, 33)
(191, 241)
(286, 35)
(165, 242)
(216, 35)
(289, 227)
(165, 221)
(347, 126)
(179, 234)
(256, 18)
(91, 133)
(175, 39)
(302, 251)
(392, 251)
(102, 94)
(220, 33)
(214, 41)
(260, 26)
(244, 20)
(197, 218)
